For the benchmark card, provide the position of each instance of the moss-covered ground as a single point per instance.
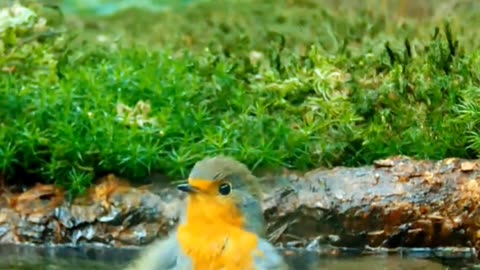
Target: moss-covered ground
(284, 83)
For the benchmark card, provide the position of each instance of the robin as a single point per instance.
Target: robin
(222, 226)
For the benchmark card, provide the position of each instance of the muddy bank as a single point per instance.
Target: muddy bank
(396, 203)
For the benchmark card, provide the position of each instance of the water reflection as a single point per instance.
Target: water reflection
(390, 262)
(63, 258)
(13, 257)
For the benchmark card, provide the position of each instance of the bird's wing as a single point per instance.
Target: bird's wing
(160, 255)
(252, 210)
(269, 257)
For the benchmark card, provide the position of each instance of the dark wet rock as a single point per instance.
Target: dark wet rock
(65, 217)
(139, 234)
(395, 203)
(113, 214)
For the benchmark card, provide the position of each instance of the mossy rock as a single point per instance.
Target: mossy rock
(359, 88)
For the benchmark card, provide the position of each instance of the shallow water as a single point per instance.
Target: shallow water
(63, 258)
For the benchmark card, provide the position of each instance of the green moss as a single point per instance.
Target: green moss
(340, 90)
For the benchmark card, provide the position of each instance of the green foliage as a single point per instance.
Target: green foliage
(412, 111)
(24, 32)
(345, 91)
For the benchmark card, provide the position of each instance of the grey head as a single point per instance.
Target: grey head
(245, 187)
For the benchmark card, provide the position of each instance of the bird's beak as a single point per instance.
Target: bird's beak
(187, 188)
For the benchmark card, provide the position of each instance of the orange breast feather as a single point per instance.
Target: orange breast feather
(214, 238)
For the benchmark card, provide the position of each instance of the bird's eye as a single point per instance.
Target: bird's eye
(225, 189)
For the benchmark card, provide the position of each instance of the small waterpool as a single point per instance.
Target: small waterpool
(63, 258)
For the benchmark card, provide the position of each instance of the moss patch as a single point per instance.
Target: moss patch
(261, 82)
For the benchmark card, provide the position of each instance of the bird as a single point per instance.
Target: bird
(221, 227)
